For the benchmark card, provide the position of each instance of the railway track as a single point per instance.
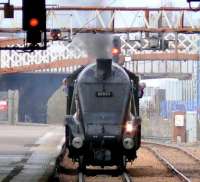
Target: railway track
(68, 171)
(69, 174)
(125, 177)
(197, 159)
(184, 164)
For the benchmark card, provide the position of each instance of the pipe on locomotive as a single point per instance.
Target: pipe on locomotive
(103, 68)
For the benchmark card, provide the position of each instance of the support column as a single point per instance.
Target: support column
(198, 84)
(13, 102)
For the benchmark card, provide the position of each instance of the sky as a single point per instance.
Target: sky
(128, 3)
(156, 83)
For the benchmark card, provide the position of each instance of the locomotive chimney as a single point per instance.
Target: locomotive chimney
(103, 68)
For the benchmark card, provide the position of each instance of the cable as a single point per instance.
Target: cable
(79, 31)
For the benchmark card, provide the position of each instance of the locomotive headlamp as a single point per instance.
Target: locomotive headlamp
(129, 127)
(77, 142)
(128, 143)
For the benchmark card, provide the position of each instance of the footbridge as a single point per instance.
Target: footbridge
(156, 42)
(61, 58)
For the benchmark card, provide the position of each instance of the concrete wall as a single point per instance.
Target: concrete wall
(34, 91)
(4, 108)
(156, 127)
(56, 107)
(13, 106)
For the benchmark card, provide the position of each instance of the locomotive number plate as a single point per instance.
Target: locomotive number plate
(104, 94)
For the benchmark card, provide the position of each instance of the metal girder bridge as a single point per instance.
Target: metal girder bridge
(120, 19)
(66, 58)
(148, 34)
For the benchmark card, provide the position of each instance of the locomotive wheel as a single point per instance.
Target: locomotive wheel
(82, 166)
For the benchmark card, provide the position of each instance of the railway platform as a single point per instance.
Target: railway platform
(29, 152)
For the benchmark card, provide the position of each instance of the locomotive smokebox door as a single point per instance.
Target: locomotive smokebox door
(103, 68)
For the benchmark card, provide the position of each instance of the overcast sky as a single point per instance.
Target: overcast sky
(133, 3)
(128, 3)
(16, 22)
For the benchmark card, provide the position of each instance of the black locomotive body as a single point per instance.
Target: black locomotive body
(104, 126)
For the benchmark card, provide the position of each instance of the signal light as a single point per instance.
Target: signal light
(34, 15)
(55, 34)
(33, 22)
(115, 51)
(8, 11)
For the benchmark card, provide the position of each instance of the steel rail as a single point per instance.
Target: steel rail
(81, 177)
(169, 165)
(126, 177)
(177, 148)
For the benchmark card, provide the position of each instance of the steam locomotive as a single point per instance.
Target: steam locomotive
(104, 127)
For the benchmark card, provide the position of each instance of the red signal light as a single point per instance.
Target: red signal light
(115, 51)
(56, 34)
(34, 22)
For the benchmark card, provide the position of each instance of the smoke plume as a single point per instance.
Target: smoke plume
(97, 45)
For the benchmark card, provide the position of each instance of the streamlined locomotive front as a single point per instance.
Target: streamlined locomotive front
(103, 129)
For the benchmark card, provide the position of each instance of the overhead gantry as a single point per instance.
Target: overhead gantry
(149, 34)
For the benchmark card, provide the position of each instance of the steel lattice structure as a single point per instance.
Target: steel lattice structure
(150, 36)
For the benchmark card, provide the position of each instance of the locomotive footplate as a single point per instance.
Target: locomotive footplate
(103, 141)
